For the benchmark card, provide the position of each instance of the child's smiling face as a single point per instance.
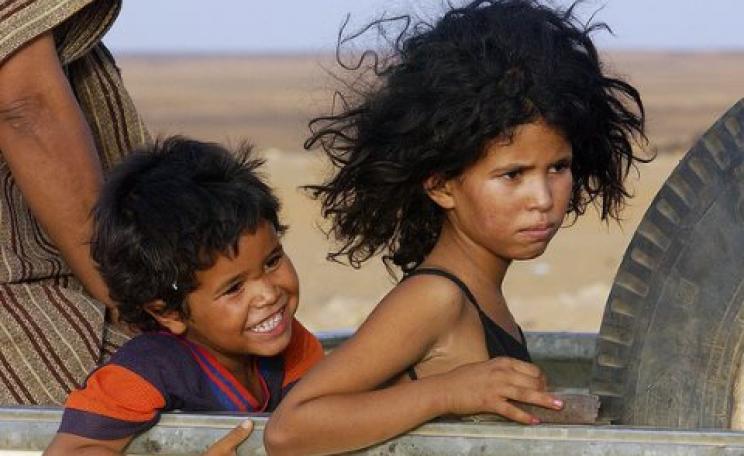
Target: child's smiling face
(513, 200)
(244, 304)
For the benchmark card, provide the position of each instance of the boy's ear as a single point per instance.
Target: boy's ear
(440, 191)
(170, 319)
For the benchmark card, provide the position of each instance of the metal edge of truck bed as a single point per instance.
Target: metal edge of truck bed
(182, 433)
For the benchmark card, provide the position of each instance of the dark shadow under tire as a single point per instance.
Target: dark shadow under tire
(672, 333)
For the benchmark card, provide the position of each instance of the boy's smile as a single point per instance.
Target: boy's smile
(270, 325)
(245, 302)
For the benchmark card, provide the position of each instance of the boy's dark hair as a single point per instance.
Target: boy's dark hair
(447, 90)
(168, 211)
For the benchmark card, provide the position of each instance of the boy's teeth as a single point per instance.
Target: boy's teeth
(268, 324)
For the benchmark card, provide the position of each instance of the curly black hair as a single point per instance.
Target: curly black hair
(169, 210)
(442, 94)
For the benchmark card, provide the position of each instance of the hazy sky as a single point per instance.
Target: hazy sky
(311, 25)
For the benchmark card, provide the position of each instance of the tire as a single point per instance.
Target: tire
(672, 333)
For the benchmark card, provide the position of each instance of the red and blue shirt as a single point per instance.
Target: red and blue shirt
(160, 372)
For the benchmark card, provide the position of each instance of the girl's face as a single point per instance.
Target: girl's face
(513, 200)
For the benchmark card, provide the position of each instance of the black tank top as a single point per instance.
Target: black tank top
(498, 341)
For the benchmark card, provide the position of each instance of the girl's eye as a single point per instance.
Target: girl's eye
(561, 166)
(512, 175)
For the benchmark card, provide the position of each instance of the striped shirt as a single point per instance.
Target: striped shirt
(159, 372)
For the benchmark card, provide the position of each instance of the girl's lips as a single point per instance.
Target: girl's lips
(539, 233)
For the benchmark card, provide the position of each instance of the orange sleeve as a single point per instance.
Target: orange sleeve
(302, 353)
(116, 392)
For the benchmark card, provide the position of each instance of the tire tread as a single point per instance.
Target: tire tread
(687, 194)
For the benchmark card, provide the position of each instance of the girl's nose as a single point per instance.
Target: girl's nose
(541, 195)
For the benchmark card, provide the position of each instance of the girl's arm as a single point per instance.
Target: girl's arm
(337, 408)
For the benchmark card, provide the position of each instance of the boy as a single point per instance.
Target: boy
(187, 238)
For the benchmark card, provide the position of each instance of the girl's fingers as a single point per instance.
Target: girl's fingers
(535, 397)
(523, 367)
(514, 413)
(517, 379)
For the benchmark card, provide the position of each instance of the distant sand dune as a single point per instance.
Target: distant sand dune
(270, 99)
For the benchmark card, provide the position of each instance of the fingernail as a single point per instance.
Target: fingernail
(534, 420)
(246, 424)
(557, 403)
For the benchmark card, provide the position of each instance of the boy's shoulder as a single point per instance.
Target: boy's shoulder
(149, 374)
(159, 345)
(303, 352)
(153, 353)
(163, 358)
(126, 395)
(161, 349)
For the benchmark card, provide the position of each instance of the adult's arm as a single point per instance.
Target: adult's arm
(48, 146)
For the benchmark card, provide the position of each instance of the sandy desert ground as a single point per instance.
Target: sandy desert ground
(268, 100)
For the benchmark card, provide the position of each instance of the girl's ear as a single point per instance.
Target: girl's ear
(170, 319)
(440, 191)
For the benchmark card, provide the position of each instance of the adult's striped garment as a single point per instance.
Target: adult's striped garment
(52, 334)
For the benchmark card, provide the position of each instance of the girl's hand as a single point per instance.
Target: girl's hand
(491, 386)
(228, 445)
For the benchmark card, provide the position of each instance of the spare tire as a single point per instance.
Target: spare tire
(672, 333)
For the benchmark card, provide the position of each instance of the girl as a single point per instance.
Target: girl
(482, 132)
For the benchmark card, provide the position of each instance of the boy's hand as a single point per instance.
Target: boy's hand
(228, 445)
(490, 386)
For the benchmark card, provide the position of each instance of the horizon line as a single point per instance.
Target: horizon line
(303, 53)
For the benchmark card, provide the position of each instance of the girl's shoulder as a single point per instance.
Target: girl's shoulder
(431, 295)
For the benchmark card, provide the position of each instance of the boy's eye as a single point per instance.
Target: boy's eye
(273, 261)
(234, 288)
